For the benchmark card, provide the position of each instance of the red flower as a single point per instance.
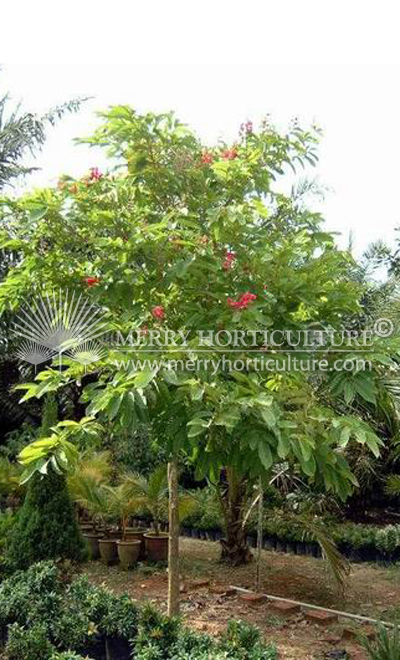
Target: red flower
(92, 281)
(207, 158)
(158, 312)
(229, 154)
(95, 174)
(243, 302)
(229, 259)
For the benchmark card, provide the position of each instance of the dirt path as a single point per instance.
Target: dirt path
(372, 591)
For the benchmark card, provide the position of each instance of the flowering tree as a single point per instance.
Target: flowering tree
(191, 241)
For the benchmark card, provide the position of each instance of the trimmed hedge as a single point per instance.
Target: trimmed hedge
(43, 616)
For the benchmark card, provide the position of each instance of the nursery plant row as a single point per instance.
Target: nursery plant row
(355, 541)
(46, 614)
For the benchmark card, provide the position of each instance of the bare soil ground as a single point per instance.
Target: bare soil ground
(372, 591)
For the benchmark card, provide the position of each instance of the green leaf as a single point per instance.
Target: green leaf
(265, 454)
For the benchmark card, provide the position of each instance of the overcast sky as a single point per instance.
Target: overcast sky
(217, 63)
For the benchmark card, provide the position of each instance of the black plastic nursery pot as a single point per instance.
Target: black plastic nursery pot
(291, 547)
(118, 649)
(280, 545)
(269, 543)
(96, 650)
(300, 548)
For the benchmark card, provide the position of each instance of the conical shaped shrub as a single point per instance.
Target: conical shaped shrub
(46, 526)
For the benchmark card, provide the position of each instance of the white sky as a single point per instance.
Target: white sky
(217, 63)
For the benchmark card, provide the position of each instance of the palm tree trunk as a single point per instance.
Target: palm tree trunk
(232, 494)
(173, 548)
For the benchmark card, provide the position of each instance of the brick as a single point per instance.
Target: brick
(320, 617)
(363, 631)
(253, 600)
(357, 654)
(218, 590)
(198, 584)
(284, 609)
(230, 592)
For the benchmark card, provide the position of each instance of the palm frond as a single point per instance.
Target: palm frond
(315, 530)
(393, 484)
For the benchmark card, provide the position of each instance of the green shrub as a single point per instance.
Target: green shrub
(51, 619)
(46, 526)
(28, 643)
(121, 619)
(156, 631)
(388, 539)
(386, 646)
(16, 440)
(72, 629)
(192, 644)
(33, 594)
(241, 636)
(67, 655)
(242, 641)
(7, 521)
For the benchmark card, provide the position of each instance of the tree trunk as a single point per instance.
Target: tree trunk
(233, 499)
(259, 535)
(173, 549)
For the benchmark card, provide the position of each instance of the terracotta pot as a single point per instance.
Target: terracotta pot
(137, 534)
(128, 552)
(92, 540)
(108, 550)
(157, 546)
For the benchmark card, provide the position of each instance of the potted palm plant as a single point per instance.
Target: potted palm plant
(151, 495)
(87, 487)
(122, 507)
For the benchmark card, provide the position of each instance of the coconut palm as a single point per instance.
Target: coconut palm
(120, 506)
(151, 495)
(87, 485)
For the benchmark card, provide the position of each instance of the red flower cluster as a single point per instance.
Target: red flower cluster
(229, 154)
(207, 158)
(243, 301)
(229, 259)
(158, 312)
(92, 281)
(95, 174)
